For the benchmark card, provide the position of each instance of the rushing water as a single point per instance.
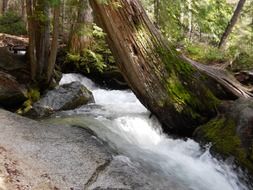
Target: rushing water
(120, 119)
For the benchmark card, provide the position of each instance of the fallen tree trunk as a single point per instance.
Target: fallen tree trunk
(11, 40)
(180, 92)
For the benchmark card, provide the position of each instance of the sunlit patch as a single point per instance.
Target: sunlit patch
(2, 184)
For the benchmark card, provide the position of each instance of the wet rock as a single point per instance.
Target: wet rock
(39, 156)
(232, 133)
(12, 94)
(64, 97)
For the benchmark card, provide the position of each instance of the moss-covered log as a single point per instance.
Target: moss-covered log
(171, 87)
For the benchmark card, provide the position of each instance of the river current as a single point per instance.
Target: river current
(118, 118)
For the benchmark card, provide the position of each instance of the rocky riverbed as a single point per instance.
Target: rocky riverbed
(35, 156)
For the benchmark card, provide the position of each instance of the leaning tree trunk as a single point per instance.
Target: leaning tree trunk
(231, 23)
(173, 88)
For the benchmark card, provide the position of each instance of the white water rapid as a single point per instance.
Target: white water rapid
(119, 118)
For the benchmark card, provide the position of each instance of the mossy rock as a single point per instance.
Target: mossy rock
(231, 134)
(64, 97)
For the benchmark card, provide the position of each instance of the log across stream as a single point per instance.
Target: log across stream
(120, 120)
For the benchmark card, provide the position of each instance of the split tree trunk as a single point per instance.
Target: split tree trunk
(231, 23)
(41, 57)
(175, 89)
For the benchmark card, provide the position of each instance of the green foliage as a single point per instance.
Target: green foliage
(96, 58)
(11, 23)
(54, 2)
(33, 95)
(243, 61)
(205, 54)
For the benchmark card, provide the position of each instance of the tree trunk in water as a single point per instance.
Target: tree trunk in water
(54, 44)
(169, 85)
(80, 36)
(232, 23)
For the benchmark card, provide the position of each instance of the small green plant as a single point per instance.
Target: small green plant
(205, 54)
(33, 95)
(11, 23)
(95, 58)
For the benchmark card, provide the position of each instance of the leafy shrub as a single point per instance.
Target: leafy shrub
(243, 61)
(97, 58)
(205, 54)
(11, 23)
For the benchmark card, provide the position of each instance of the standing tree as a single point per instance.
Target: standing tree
(181, 93)
(42, 55)
(80, 35)
(4, 6)
(232, 23)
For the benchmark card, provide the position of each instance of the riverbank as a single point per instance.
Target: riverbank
(35, 156)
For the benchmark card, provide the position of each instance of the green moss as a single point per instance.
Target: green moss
(182, 81)
(33, 95)
(221, 132)
(205, 54)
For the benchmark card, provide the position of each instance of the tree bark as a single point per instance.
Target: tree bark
(231, 23)
(157, 11)
(54, 44)
(42, 37)
(4, 6)
(80, 36)
(175, 89)
(31, 36)
(42, 60)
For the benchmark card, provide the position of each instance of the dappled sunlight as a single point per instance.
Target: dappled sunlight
(2, 184)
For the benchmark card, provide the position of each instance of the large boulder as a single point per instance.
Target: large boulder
(232, 133)
(65, 97)
(12, 94)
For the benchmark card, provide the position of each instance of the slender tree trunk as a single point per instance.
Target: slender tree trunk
(54, 44)
(4, 6)
(43, 36)
(157, 11)
(167, 84)
(80, 36)
(31, 35)
(189, 2)
(23, 10)
(232, 23)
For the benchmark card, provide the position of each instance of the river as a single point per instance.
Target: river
(120, 120)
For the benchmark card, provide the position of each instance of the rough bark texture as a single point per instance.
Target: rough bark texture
(42, 59)
(80, 36)
(4, 6)
(232, 23)
(54, 45)
(31, 36)
(42, 36)
(169, 85)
